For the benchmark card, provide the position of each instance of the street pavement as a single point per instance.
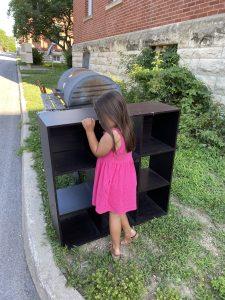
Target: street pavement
(15, 280)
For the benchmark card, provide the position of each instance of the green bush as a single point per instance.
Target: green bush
(119, 283)
(157, 76)
(219, 285)
(37, 57)
(68, 57)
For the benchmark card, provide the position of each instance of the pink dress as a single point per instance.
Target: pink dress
(115, 182)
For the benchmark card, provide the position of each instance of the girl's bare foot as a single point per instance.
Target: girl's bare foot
(130, 238)
(116, 254)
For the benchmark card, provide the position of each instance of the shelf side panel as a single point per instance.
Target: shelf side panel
(50, 179)
(138, 129)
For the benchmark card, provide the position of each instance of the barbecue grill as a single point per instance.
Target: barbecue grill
(77, 87)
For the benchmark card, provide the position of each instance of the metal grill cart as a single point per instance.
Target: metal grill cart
(77, 87)
(65, 150)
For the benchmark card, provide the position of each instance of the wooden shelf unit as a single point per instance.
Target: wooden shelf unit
(65, 150)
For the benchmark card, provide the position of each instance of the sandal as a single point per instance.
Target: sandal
(131, 239)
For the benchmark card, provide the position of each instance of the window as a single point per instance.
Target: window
(86, 59)
(113, 3)
(89, 7)
(56, 58)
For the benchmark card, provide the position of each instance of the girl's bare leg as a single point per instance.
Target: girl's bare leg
(128, 230)
(115, 231)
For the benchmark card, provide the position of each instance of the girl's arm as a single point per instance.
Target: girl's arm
(102, 147)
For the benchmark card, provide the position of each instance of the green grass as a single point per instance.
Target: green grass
(169, 250)
(201, 174)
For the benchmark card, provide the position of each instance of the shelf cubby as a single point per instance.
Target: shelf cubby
(74, 199)
(65, 150)
(150, 180)
(67, 161)
(154, 146)
(147, 209)
(101, 221)
(79, 229)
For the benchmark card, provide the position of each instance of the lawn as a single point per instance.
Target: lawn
(179, 256)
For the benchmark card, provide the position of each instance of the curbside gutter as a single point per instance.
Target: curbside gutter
(49, 281)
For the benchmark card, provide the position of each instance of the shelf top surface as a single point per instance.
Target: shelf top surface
(73, 116)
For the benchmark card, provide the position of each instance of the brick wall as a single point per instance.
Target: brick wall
(133, 15)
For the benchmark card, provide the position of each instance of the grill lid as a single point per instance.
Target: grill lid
(81, 86)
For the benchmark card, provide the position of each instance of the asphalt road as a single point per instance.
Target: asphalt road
(15, 280)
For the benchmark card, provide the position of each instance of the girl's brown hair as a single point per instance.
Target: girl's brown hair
(113, 106)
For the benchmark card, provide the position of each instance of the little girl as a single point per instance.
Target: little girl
(115, 180)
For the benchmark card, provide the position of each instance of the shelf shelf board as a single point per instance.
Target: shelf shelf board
(74, 198)
(79, 230)
(150, 180)
(155, 146)
(148, 209)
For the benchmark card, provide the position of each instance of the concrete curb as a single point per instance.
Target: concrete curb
(48, 279)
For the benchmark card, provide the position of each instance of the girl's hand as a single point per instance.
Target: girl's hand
(88, 124)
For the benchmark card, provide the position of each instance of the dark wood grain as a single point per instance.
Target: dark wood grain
(73, 116)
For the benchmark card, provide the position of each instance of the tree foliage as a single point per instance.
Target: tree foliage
(7, 43)
(51, 19)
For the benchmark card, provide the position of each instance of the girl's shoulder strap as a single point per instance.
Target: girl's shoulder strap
(121, 136)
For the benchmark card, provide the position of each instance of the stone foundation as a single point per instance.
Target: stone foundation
(201, 46)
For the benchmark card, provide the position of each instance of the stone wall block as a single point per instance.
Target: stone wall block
(223, 52)
(185, 53)
(208, 80)
(211, 66)
(219, 98)
(191, 64)
(220, 86)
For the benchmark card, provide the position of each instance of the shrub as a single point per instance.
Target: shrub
(37, 57)
(157, 76)
(68, 57)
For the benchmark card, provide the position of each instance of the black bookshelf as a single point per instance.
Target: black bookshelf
(65, 150)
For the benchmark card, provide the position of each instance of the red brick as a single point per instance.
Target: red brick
(134, 15)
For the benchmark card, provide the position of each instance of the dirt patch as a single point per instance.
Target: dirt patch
(207, 242)
(198, 215)
(127, 252)
(98, 245)
(152, 288)
(151, 246)
(185, 291)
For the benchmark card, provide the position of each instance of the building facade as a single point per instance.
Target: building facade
(105, 29)
(43, 45)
